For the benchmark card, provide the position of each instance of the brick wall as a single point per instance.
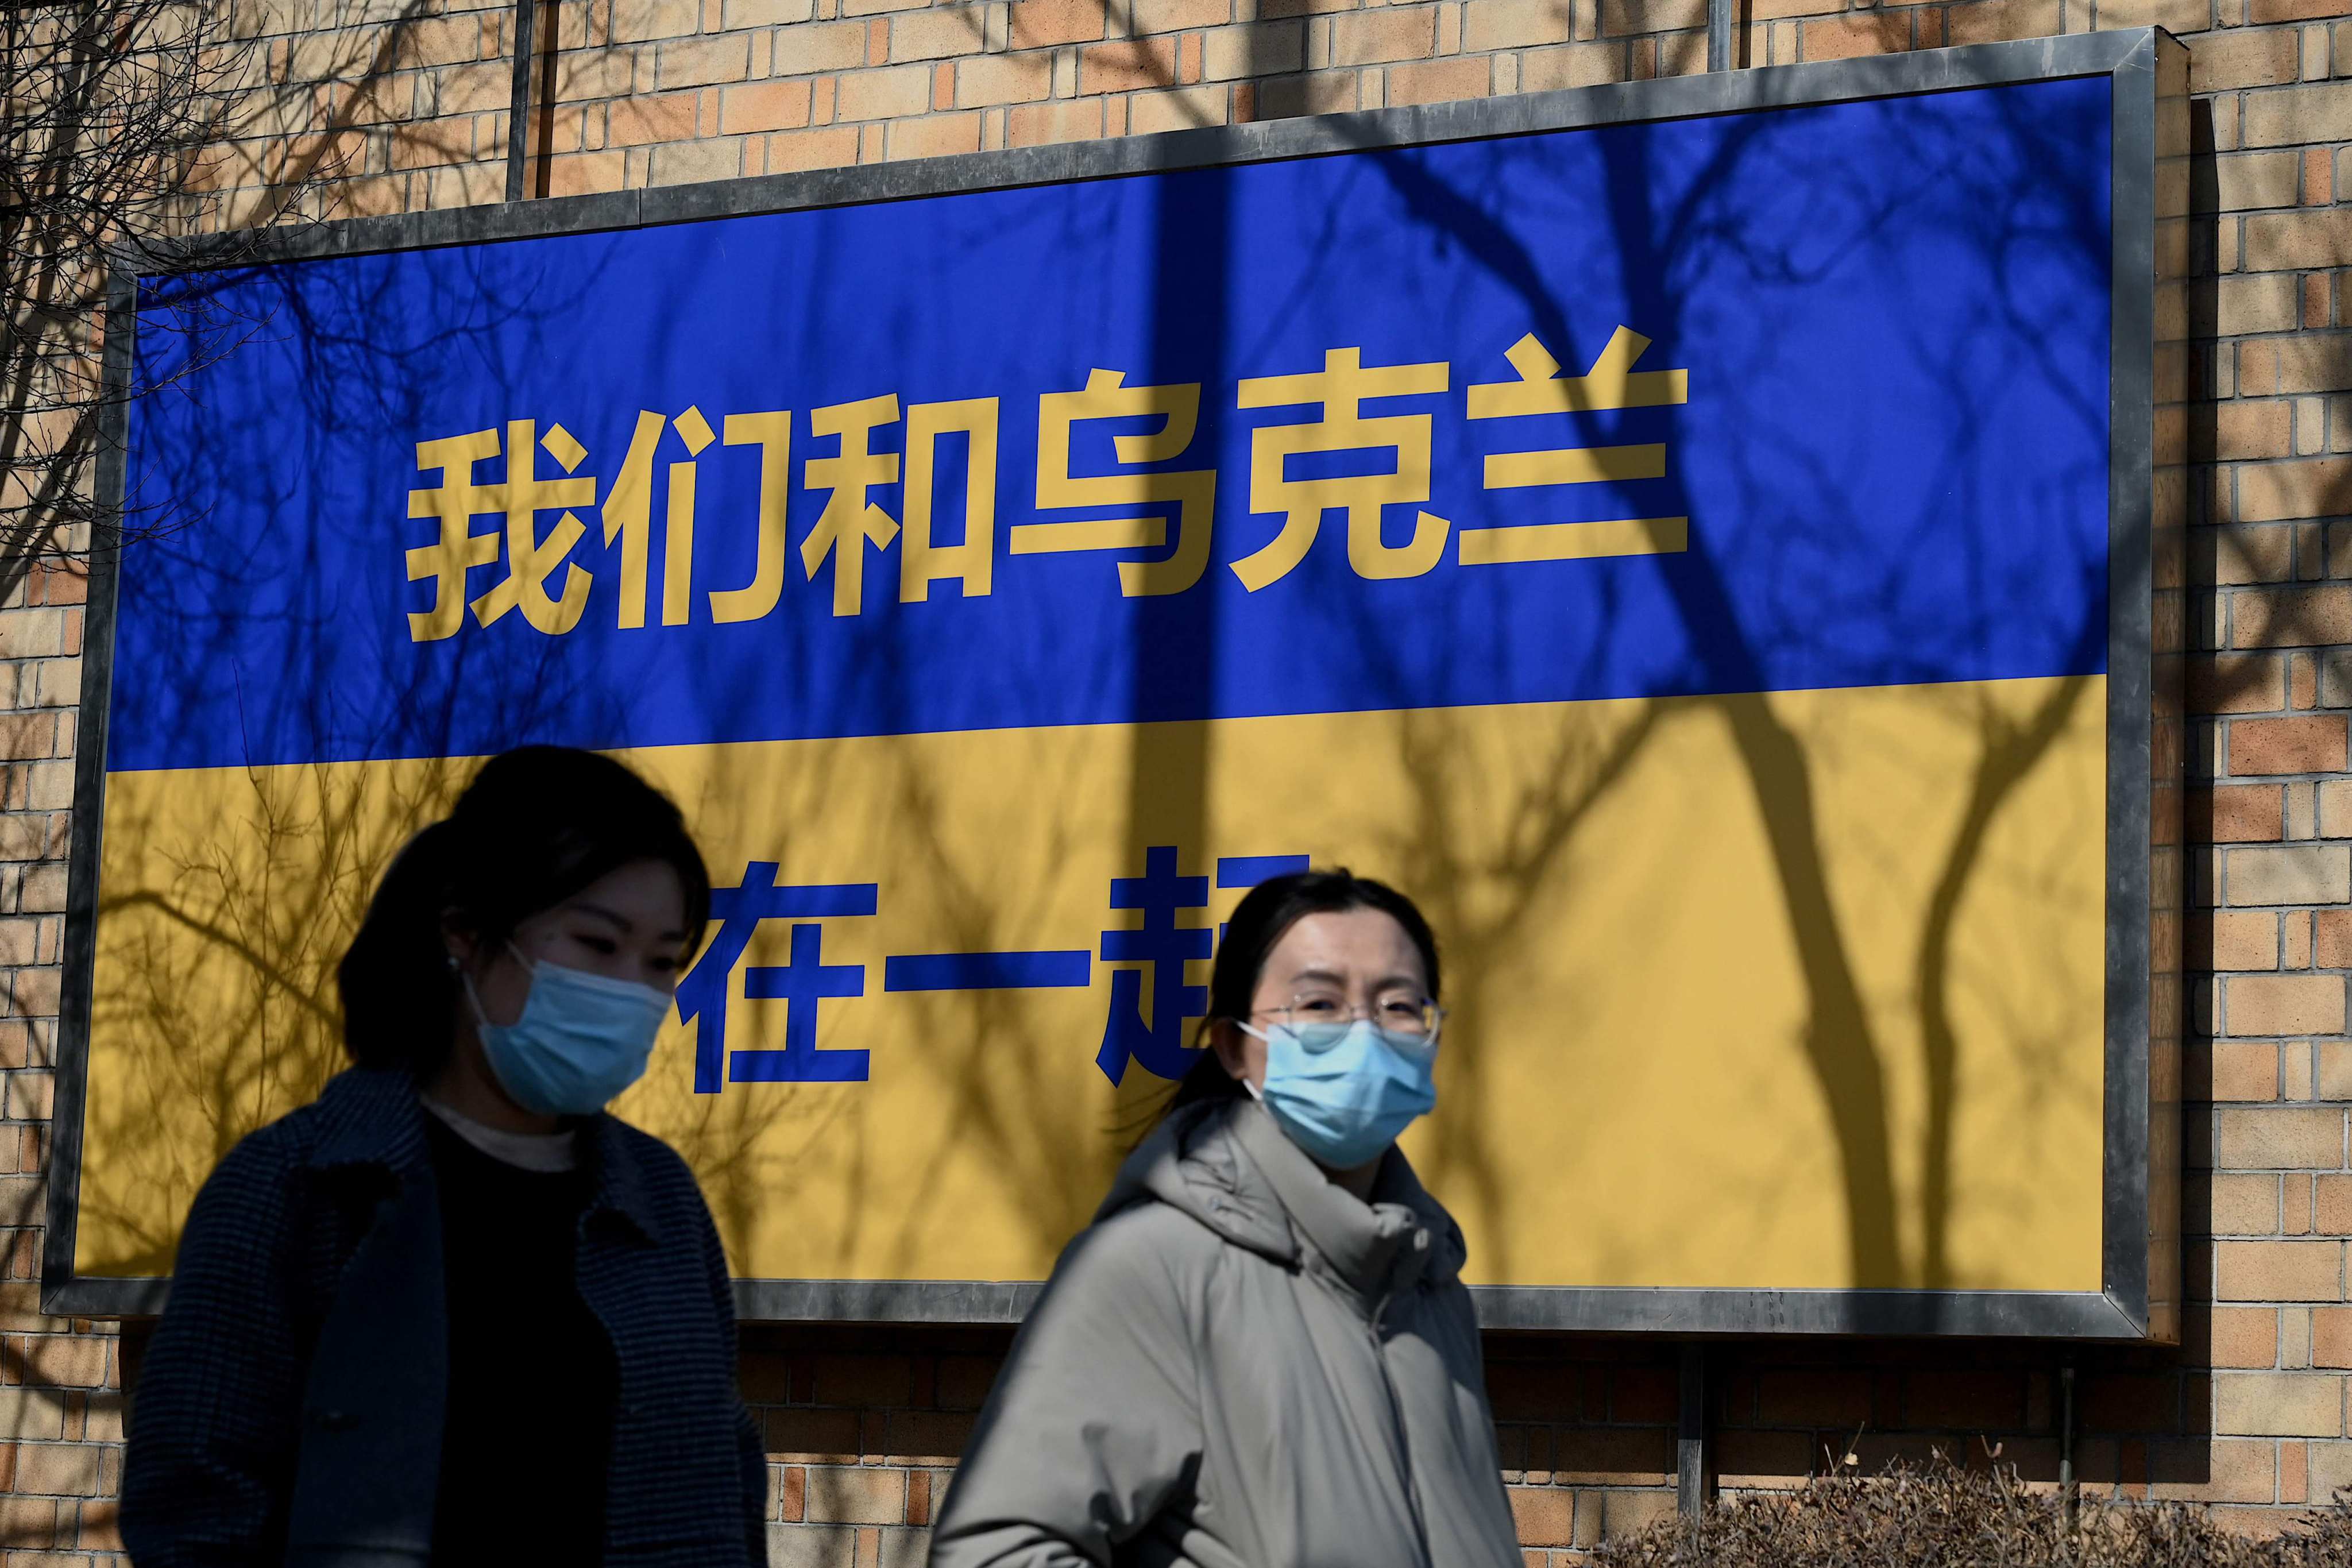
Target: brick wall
(360, 106)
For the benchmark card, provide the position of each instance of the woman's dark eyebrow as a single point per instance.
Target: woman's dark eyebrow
(627, 926)
(1387, 983)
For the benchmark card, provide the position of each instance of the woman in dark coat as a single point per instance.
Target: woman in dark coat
(452, 1312)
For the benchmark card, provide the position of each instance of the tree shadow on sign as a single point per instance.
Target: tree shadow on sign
(1894, 1160)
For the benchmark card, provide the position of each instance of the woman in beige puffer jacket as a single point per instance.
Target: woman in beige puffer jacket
(1255, 1358)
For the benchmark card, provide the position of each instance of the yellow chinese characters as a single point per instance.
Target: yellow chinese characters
(878, 455)
(1612, 384)
(457, 499)
(1192, 492)
(852, 520)
(1341, 388)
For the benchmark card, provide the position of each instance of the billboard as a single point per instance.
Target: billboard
(1700, 538)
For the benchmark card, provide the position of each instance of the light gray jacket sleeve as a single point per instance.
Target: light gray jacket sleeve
(1093, 1425)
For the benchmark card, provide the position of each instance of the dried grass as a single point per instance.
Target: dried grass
(1947, 1517)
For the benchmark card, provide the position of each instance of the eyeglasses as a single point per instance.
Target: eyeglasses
(1397, 1013)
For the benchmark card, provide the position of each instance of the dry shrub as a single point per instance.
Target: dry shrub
(1947, 1517)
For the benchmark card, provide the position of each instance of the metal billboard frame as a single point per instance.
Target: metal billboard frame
(2139, 1300)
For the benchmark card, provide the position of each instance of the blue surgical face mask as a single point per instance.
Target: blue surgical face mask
(580, 1040)
(1343, 1091)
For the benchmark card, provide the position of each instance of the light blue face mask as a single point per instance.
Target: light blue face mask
(1343, 1091)
(580, 1040)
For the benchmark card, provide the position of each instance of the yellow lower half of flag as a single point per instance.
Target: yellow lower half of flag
(1788, 991)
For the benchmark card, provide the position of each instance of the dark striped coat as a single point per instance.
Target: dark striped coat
(289, 1406)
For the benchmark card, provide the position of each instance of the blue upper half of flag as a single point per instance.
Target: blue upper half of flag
(1839, 417)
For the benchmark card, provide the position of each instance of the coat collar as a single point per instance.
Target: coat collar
(1375, 1249)
(371, 1116)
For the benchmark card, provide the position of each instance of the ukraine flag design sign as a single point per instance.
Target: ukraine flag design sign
(1680, 548)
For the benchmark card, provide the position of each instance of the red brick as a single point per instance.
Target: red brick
(2263, 427)
(2219, 61)
(2278, 492)
(1748, 1458)
(2311, 745)
(2129, 1402)
(2233, 1202)
(2235, 683)
(835, 147)
(2261, 11)
(2284, 1003)
(1857, 34)
(1040, 21)
(1643, 1394)
(2331, 1336)
(1613, 1456)
(2244, 1071)
(2239, 813)
(1369, 38)
(941, 32)
(1814, 1397)
(822, 47)
(2332, 940)
(1003, 79)
(934, 136)
(55, 1360)
(763, 106)
(2275, 1138)
(1544, 1515)
(1622, 17)
(925, 1437)
(895, 92)
(964, 1382)
(803, 1436)
(584, 173)
(1128, 65)
(864, 1382)
(1513, 23)
(1439, 81)
(2210, 1470)
(1318, 93)
(641, 121)
(1990, 21)
(2230, 940)
(24, 735)
(2240, 1336)
(1536, 1392)
(1622, 1513)
(1972, 1401)
(855, 1495)
(2279, 1404)
(69, 1470)
(2241, 554)
(2280, 1270)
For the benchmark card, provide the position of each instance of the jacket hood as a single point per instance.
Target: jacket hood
(1191, 1162)
(1225, 1165)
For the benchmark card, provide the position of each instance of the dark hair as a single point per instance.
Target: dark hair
(1264, 916)
(536, 824)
